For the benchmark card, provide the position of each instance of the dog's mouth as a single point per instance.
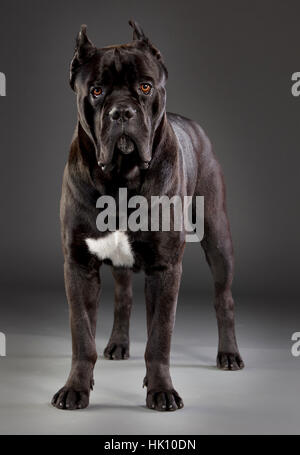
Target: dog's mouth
(126, 158)
(125, 144)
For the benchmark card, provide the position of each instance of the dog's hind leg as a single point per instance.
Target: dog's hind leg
(217, 245)
(118, 345)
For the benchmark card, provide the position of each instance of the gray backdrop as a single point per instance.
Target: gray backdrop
(230, 66)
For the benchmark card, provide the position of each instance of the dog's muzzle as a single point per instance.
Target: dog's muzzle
(122, 118)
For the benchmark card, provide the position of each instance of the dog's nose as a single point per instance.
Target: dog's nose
(121, 113)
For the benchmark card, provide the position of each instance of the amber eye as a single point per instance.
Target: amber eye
(96, 91)
(145, 88)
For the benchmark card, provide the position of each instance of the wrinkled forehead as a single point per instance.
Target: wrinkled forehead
(124, 65)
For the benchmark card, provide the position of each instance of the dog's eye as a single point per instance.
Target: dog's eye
(145, 88)
(96, 91)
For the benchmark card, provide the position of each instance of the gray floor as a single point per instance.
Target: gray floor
(262, 399)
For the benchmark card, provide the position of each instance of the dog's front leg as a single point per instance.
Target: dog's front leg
(118, 345)
(161, 289)
(82, 289)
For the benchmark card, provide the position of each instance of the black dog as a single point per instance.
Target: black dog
(125, 138)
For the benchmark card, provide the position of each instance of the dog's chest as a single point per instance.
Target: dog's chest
(114, 246)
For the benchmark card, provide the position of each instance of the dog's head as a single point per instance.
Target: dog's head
(121, 96)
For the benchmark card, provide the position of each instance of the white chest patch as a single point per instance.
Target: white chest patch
(114, 246)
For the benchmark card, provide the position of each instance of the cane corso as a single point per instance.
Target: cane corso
(124, 138)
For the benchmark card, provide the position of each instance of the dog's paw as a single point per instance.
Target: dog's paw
(164, 400)
(117, 351)
(69, 398)
(229, 361)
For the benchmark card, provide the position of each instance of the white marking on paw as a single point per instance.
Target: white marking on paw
(114, 246)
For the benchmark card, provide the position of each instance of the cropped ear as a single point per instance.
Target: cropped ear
(139, 35)
(84, 50)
